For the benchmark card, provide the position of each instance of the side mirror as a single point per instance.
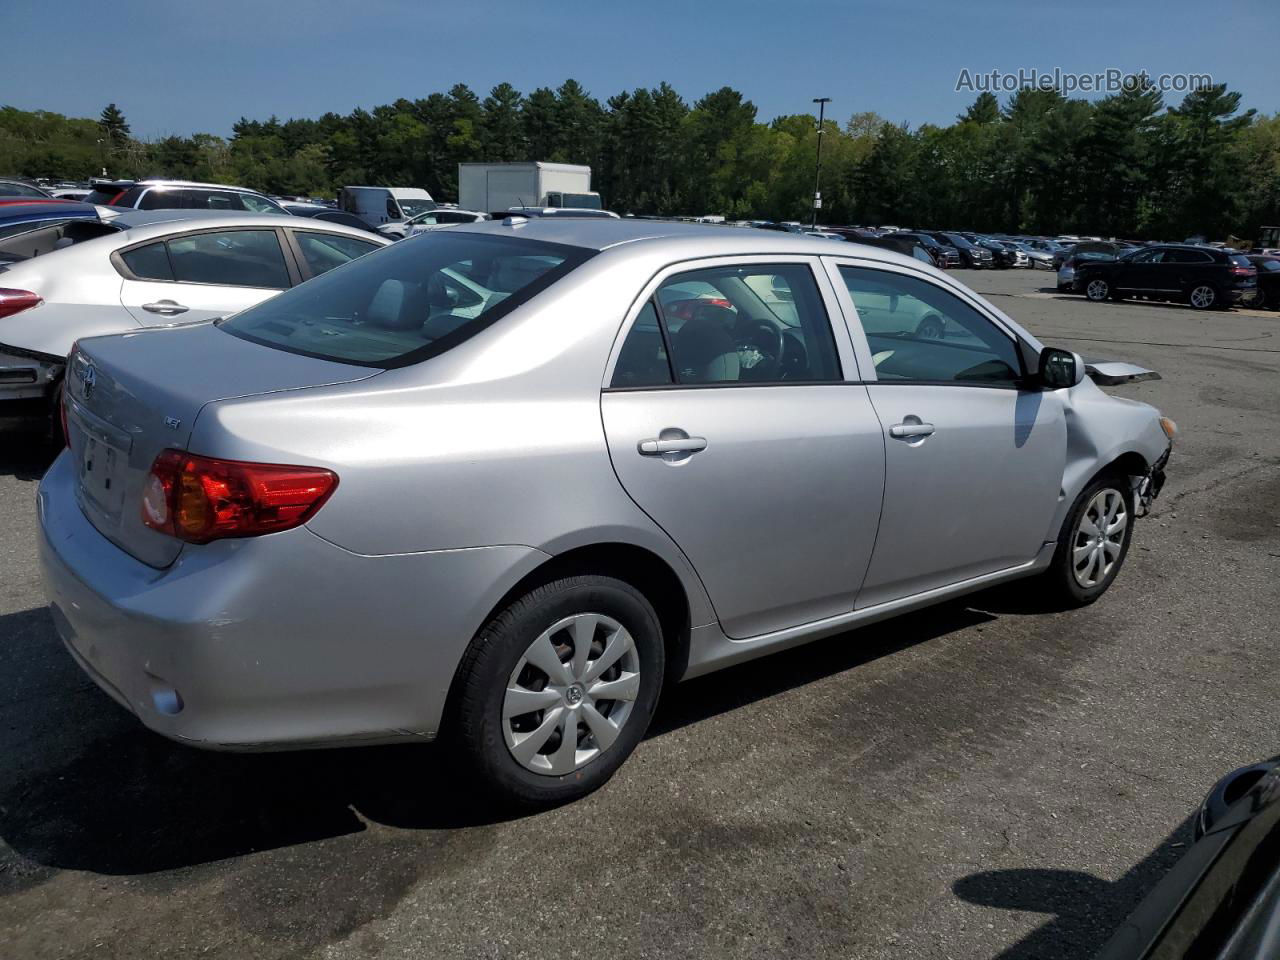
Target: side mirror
(1060, 368)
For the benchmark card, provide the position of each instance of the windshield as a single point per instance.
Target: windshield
(409, 301)
(413, 208)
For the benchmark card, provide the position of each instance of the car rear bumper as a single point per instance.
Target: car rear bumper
(273, 642)
(26, 375)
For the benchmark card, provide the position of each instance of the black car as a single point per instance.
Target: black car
(1001, 256)
(971, 255)
(20, 188)
(1267, 293)
(317, 212)
(1204, 277)
(944, 255)
(1222, 899)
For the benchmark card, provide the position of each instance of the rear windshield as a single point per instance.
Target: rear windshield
(1240, 260)
(409, 301)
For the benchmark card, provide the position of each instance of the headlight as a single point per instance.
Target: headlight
(1169, 427)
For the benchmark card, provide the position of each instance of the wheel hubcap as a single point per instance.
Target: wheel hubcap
(570, 694)
(1097, 290)
(1099, 537)
(1202, 296)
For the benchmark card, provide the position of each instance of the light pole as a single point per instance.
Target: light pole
(817, 169)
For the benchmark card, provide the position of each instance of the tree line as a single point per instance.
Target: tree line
(1127, 165)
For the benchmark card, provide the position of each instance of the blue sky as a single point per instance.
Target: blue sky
(182, 67)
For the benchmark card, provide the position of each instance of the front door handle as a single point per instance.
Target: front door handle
(166, 308)
(911, 430)
(656, 448)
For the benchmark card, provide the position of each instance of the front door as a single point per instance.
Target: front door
(973, 459)
(734, 420)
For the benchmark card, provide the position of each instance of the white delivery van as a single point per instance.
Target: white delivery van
(495, 187)
(377, 205)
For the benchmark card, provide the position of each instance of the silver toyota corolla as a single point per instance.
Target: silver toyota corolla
(503, 483)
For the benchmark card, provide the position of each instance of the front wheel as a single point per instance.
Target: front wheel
(558, 689)
(1097, 290)
(1092, 544)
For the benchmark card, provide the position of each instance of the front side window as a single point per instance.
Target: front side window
(236, 258)
(918, 331)
(733, 324)
(324, 251)
(410, 301)
(392, 210)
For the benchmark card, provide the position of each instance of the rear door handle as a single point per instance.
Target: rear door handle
(907, 431)
(166, 308)
(656, 448)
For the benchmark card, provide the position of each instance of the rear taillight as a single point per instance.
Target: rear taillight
(15, 301)
(1244, 272)
(199, 499)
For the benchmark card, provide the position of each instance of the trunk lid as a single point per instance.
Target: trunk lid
(131, 396)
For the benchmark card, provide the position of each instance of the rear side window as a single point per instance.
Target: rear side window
(149, 263)
(154, 199)
(236, 258)
(211, 200)
(408, 302)
(643, 361)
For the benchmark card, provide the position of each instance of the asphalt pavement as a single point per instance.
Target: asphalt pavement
(976, 780)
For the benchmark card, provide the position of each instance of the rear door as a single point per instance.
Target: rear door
(202, 274)
(973, 458)
(735, 420)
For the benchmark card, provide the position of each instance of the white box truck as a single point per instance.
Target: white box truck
(495, 187)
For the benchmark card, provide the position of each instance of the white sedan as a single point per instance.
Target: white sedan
(142, 269)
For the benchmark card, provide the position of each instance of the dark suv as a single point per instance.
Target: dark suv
(944, 254)
(971, 255)
(1201, 276)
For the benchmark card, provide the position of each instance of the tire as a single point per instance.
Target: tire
(1259, 301)
(1203, 297)
(1062, 584)
(502, 659)
(1097, 290)
(55, 433)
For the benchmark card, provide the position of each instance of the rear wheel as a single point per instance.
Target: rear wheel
(1203, 297)
(1097, 290)
(558, 689)
(1092, 544)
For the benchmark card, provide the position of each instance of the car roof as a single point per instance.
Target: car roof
(37, 209)
(165, 182)
(142, 224)
(686, 239)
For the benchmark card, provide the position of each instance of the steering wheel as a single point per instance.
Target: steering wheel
(770, 349)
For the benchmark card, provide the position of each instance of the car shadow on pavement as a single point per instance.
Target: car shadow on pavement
(725, 690)
(84, 786)
(25, 455)
(1085, 910)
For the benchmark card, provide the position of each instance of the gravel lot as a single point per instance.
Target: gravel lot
(977, 780)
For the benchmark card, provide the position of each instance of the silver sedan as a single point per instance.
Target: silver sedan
(504, 483)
